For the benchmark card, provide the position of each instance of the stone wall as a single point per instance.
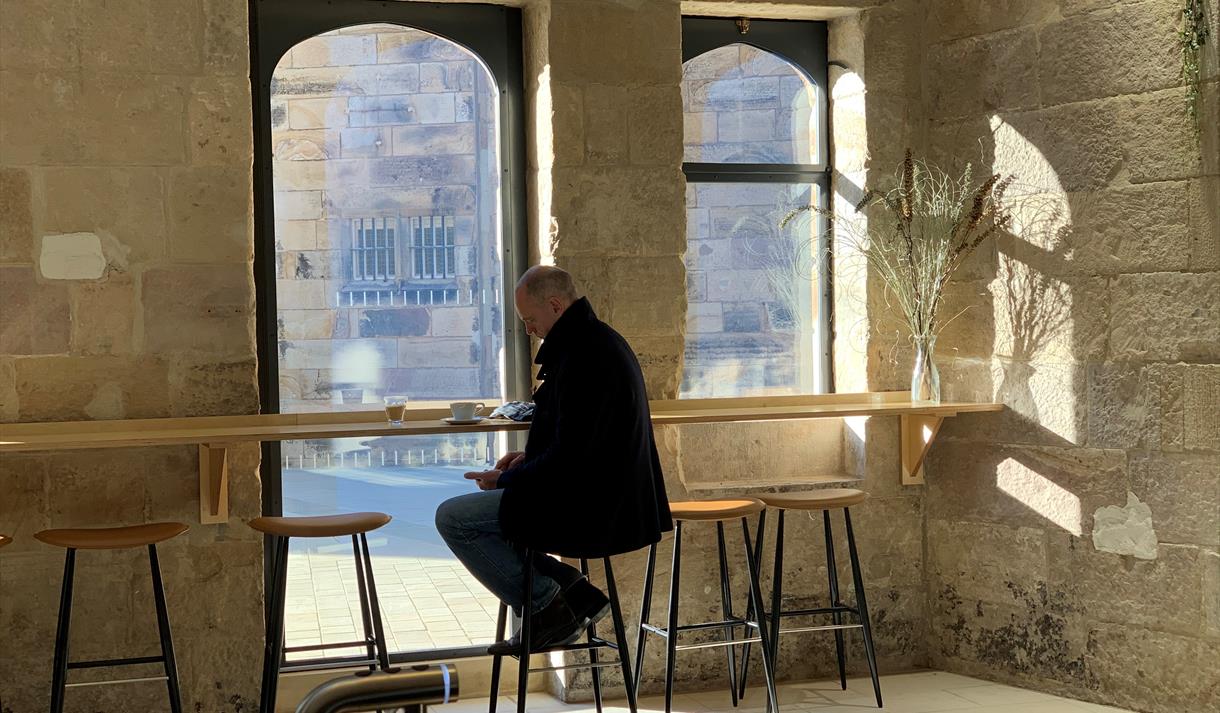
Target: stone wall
(128, 124)
(1104, 342)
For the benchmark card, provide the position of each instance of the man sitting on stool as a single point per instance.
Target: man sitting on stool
(589, 483)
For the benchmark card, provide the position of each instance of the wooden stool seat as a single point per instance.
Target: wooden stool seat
(353, 523)
(714, 510)
(828, 499)
(4, 540)
(112, 538)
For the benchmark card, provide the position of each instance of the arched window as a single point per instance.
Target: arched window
(755, 148)
(389, 235)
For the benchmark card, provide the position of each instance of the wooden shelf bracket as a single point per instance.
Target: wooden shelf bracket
(918, 432)
(213, 483)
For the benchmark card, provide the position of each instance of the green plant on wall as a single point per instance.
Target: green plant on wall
(1192, 39)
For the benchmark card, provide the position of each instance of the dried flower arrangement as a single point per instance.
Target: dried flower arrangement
(923, 230)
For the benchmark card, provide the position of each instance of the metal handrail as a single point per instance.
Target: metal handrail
(396, 688)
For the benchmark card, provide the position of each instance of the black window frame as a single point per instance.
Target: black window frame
(492, 33)
(804, 44)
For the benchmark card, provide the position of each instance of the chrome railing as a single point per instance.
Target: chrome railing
(432, 684)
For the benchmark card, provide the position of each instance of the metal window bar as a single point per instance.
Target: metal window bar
(434, 255)
(373, 241)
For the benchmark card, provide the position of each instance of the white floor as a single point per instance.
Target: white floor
(923, 692)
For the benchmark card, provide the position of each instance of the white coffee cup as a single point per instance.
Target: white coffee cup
(465, 410)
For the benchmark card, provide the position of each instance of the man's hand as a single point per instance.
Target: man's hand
(486, 480)
(510, 460)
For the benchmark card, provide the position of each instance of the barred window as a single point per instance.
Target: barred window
(373, 248)
(433, 255)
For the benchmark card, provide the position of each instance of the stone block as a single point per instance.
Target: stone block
(202, 309)
(948, 19)
(317, 113)
(455, 321)
(1201, 407)
(226, 45)
(1166, 317)
(218, 112)
(125, 203)
(760, 454)
(640, 302)
(605, 124)
(1119, 413)
(1127, 49)
(434, 108)
(1183, 493)
(1211, 593)
(1205, 223)
(654, 126)
(661, 361)
(1159, 143)
(703, 317)
(213, 389)
(298, 205)
(338, 83)
(615, 42)
(1133, 664)
(416, 46)
(988, 73)
(353, 361)
(433, 140)
(302, 294)
(423, 171)
(313, 145)
(365, 142)
(335, 50)
(130, 36)
(16, 217)
(983, 561)
(210, 216)
(620, 211)
(34, 35)
(564, 143)
(296, 234)
(400, 322)
(70, 388)
(36, 315)
(1045, 487)
(297, 324)
(103, 316)
(431, 352)
(438, 383)
(1120, 589)
(1140, 228)
(699, 127)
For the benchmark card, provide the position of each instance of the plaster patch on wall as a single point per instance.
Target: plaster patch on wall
(107, 402)
(72, 256)
(1125, 530)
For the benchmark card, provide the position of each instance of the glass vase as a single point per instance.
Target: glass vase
(925, 379)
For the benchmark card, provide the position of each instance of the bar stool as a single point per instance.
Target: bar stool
(825, 501)
(281, 529)
(718, 511)
(593, 644)
(112, 538)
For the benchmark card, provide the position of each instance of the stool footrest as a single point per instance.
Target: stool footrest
(718, 644)
(597, 643)
(828, 627)
(599, 664)
(326, 664)
(822, 610)
(320, 647)
(102, 663)
(141, 679)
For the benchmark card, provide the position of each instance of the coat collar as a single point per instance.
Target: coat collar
(569, 325)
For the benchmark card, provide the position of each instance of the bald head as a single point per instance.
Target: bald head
(543, 294)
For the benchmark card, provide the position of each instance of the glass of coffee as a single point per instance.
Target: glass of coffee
(395, 407)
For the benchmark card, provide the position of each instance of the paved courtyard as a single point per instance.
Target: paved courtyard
(428, 599)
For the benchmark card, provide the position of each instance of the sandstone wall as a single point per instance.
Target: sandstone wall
(128, 121)
(1104, 342)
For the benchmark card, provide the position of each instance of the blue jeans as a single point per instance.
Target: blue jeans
(470, 525)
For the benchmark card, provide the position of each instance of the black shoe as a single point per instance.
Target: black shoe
(553, 626)
(586, 601)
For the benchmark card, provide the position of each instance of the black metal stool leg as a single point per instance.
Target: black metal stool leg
(163, 631)
(645, 608)
(776, 594)
(59, 675)
(671, 630)
(764, 640)
(862, 606)
(726, 609)
(832, 572)
(365, 617)
(592, 632)
(383, 654)
(523, 664)
(745, 651)
(497, 660)
(273, 649)
(620, 636)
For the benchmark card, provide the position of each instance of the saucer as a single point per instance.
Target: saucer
(464, 421)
